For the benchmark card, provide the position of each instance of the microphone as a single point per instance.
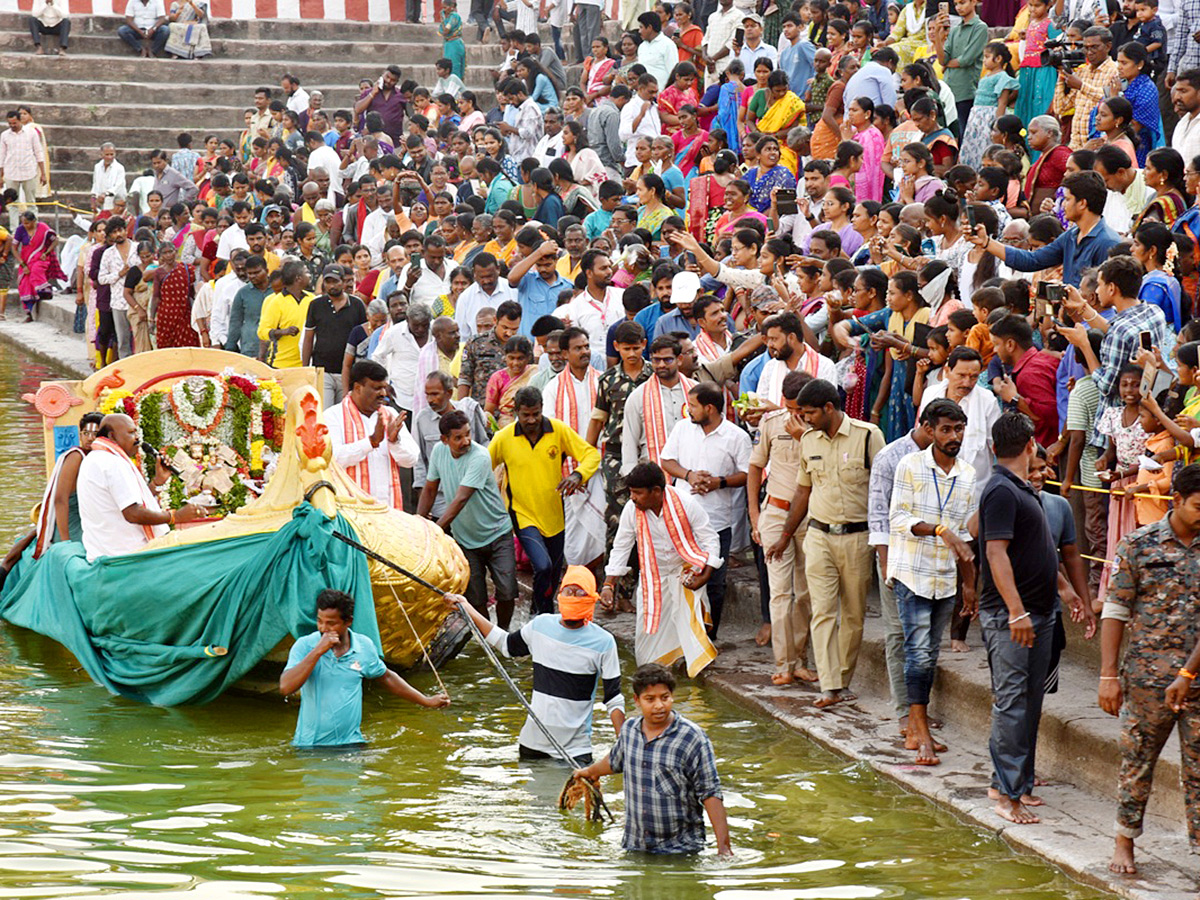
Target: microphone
(148, 449)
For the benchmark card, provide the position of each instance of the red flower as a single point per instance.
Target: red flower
(244, 385)
(268, 426)
(130, 407)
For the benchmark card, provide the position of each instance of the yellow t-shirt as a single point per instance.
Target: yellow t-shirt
(283, 311)
(532, 497)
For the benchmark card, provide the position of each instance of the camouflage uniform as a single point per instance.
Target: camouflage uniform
(482, 356)
(612, 391)
(1153, 590)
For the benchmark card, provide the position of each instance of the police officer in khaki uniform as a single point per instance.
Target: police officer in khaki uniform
(779, 447)
(831, 484)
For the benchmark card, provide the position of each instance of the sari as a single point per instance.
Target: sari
(783, 113)
(594, 72)
(502, 391)
(1165, 208)
(687, 150)
(670, 100)
(453, 47)
(652, 219)
(188, 34)
(173, 316)
(1142, 95)
(587, 168)
(762, 183)
(868, 184)
(941, 136)
(1047, 172)
(727, 116)
(825, 139)
(908, 36)
(706, 201)
(39, 264)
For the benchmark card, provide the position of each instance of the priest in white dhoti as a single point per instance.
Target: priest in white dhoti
(369, 440)
(678, 551)
(570, 397)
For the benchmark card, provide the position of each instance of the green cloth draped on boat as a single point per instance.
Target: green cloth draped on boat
(144, 625)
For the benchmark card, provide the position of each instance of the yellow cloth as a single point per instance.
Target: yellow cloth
(282, 311)
(507, 253)
(565, 269)
(781, 113)
(532, 496)
(907, 330)
(307, 214)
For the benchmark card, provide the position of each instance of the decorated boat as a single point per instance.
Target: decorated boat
(191, 613)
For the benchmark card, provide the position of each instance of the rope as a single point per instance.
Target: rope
(1111, 493)
(420, 643)
(86, 212)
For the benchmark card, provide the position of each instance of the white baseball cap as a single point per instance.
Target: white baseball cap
(684, 288)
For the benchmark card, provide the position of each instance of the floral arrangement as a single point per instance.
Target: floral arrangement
(221, 432)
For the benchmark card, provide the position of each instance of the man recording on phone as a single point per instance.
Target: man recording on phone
(386, 99)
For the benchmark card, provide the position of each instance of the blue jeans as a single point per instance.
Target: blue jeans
(924, 621)
(1018, 687)
(546, 556)
(134, 38)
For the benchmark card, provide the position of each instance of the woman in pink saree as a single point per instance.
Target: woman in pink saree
(39, 267)
(859, 126)
(691, 141)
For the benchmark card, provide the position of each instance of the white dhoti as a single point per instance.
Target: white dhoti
(586, 527)
(670, 617)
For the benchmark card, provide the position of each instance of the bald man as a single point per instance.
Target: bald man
(118, 509)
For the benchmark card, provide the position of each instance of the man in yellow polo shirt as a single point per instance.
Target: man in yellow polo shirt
(283, 314)
(533, 449)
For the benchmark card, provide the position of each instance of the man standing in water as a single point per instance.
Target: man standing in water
(330, 684)
(570, 653)
(661, 749)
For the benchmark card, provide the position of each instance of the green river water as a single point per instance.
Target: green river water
(102, 797)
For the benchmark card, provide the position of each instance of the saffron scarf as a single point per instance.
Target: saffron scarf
(775, 371)
(105, 445)
(566, 405)
(354, 428)
(680, 529)
(711, 351)
(655, 424)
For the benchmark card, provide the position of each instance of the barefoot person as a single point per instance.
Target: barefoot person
(330, 684)
(778, 449)
(1153, 597)
(835, 466)
(570, 655)
(670, 769)
(1016, 611)
(933, 503)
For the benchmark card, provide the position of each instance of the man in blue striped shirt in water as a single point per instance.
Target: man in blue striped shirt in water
(570, 652)
(670, 773)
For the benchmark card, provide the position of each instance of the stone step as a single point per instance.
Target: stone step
(1076, 737)
(284, 56)
(82, 91)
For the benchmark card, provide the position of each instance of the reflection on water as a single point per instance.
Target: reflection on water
(102, 797)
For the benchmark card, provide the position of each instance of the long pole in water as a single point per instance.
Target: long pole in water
(488, 651)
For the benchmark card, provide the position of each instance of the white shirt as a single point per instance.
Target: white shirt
(430, 285)
(108, 181)
(633, 435)
(723, 452)
(397, 351)
(1187, 136)
(49, 12)
(111, 264)
(659, 56)
(651, 126)
(549, 148)
(374, 233)
(224, 291)
(583, 399)
(298, 102)
(982, 411)
(325, 157)
(529, 130)
(232, 238)
(141, 186)
(719, 35)
(594, 317)
(403, 450)
(770, 378)
(107, 485)
(473, 299)
(145, 14)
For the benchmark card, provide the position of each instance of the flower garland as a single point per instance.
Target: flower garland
(201, 415)
(113, 400)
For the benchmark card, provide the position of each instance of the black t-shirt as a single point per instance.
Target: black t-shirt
(332, 329)
(1009, 510)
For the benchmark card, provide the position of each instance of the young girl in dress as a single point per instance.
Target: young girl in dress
(996, 92)
(1037, 82)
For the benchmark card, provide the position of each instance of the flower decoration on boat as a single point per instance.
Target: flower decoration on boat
(199, 402)
(113, 401)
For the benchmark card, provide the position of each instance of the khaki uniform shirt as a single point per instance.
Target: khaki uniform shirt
(838, 470)
(782, 451)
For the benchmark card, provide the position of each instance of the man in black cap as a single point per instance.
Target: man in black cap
(331, 318)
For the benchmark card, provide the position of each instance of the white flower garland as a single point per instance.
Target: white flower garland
(185, 409)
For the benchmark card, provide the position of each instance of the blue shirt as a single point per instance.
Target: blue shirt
(751, 373)
(596, 223)
(648, 319)
(797, 61)
(331, 698)
(484, 519)
(1067, 250)
(539, 297)
(873, 80)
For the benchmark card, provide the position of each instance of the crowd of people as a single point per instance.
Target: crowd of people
(846, 293)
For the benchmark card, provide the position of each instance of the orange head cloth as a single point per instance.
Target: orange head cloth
(577, 608)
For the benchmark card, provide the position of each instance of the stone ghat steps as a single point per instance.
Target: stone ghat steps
(1077, 741)
(361, 55)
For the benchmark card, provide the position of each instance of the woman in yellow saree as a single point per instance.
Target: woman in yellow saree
(785, 113)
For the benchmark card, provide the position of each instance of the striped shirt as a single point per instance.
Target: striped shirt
(925, 493)
(667, 781)
(566, 665)
(20, 152)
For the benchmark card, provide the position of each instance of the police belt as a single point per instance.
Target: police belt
(848, 528)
